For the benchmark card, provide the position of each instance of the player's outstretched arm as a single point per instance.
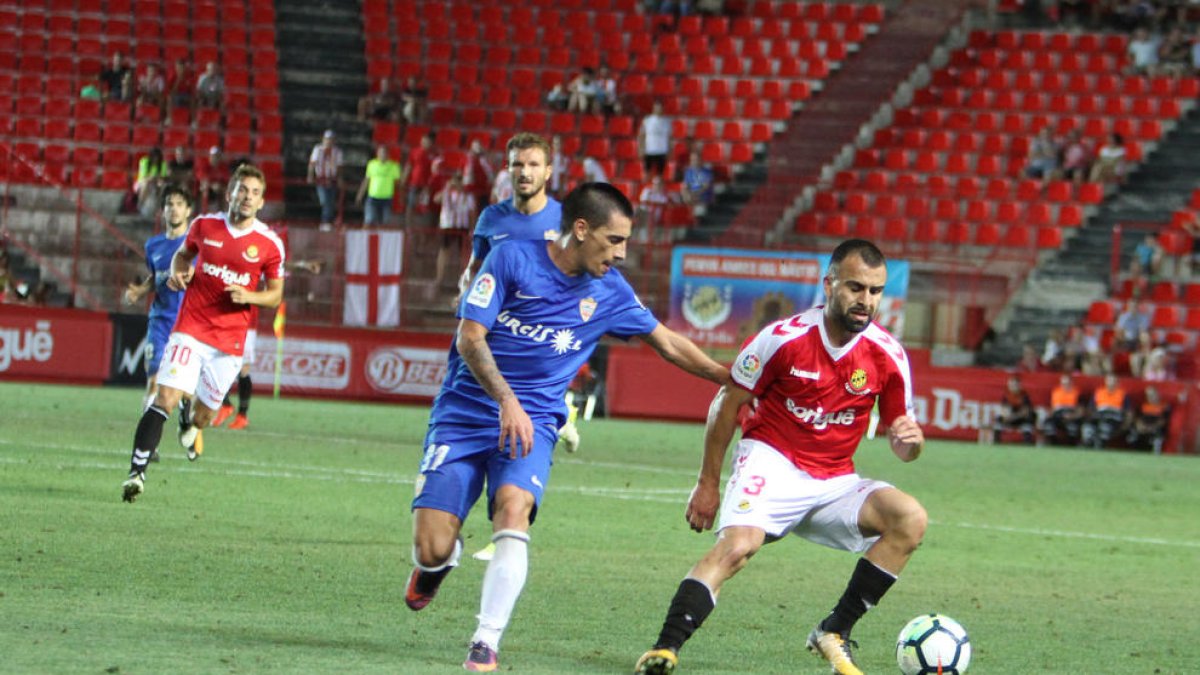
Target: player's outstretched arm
(906, 438)
(718, 433)
(516, 429)
(682, 352)
(136, 291)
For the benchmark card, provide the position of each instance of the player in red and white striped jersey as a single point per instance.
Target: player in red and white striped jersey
(810, 383)
(232, 252)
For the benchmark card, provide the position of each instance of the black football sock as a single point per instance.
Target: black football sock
(146, 438)
(185, 413)
(244, 389)
(867, 585)
(226, 401)
(689, 608)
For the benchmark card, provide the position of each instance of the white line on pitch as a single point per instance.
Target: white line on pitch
(1154, 541)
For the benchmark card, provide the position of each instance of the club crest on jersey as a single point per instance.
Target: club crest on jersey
(744, 506)
(550, 234)
(858, 383)
(748, 365)
(587, 307)
(251, 253)
(482, 291)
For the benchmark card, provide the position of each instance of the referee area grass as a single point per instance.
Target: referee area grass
(286, 548)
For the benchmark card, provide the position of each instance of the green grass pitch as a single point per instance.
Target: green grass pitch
(286, 548)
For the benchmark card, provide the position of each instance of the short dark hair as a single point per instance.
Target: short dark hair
(175, 189)
(870, 253)
(594, 203)
(527, 140)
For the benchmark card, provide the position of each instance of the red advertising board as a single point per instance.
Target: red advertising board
(38, 343)
(352, 363)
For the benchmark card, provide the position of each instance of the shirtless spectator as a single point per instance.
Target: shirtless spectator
(582, 92)
(413, 100)
(383, 104)
(152, 87)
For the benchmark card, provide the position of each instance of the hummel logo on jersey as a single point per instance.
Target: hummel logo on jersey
(806, 374)
(818, 418)
(522, 296)
(213, 243)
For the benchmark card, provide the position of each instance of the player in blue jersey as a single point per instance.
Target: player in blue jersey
(530, 319)
(160, 249)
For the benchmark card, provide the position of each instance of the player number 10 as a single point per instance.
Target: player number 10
(181, 354)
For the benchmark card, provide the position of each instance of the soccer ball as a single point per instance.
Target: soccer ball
(932, 643)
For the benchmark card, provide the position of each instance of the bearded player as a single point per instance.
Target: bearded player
(810, 382)
(232, 252)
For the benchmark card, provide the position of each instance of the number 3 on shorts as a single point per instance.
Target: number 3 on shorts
(754, 485)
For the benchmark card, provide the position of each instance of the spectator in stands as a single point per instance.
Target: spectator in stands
(1062, 424)
(413, 99)
(1016, 412)
(382, 104)
(179, 85)
(1158, 368)
(181, 170)
(1053, 351)
(325, 173)
(651, 207)
(419, 172)
(1074, 12)
(210, 87)
(1143, 53)
(1147, 258)
(608, 100)
(1076, 157)
(502, 188)
(1043, 156)
(558, 98)
(1195, 53)
(582, 92)
(1108, 414)
(1029, 362)
(1174, 53)
(152, 174)
(457, 208)
(1150, 418)
(1133, 320)
(1109, 166)
(593, 170)
(654, 140)
(152, 87)
(213, 174)
(113, 76)
(378, 186)
(697, 182)
(1139, 355)
(478, 173)
(1092, 359)
(557, 185)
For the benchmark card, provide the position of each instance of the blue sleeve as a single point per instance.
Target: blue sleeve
(632, 317)
(489, 288)
(149, 256)
(480, 246)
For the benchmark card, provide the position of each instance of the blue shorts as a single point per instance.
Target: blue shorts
(157, 332)
(458, 459)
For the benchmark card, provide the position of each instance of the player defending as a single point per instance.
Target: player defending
(811, 381)
(232, 252)
(160, 249)
(530, 319)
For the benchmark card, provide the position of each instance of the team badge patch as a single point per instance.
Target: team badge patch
(744, 506)
(251, 253)
(587, 307)
(747, 366)
(550, 234)
(858, 382)
(482, 291)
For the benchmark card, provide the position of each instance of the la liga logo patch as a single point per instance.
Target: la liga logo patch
(482, 291)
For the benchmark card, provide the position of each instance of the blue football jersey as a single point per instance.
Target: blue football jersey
(503, 222)
(159, 252)
(542, 327)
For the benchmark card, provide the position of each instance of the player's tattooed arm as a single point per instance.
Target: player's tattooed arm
(516, 429)
(682, 352)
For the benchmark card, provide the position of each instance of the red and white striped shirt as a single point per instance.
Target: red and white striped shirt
(458, 208)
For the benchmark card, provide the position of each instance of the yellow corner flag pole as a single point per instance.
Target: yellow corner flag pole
(280, 319)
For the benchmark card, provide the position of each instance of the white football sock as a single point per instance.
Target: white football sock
(502, 584)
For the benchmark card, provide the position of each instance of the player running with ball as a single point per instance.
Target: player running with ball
(810, 382)
(232, 252)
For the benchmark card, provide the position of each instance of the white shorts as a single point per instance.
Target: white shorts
(767, 491)
(199, 369)
(251, 338)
